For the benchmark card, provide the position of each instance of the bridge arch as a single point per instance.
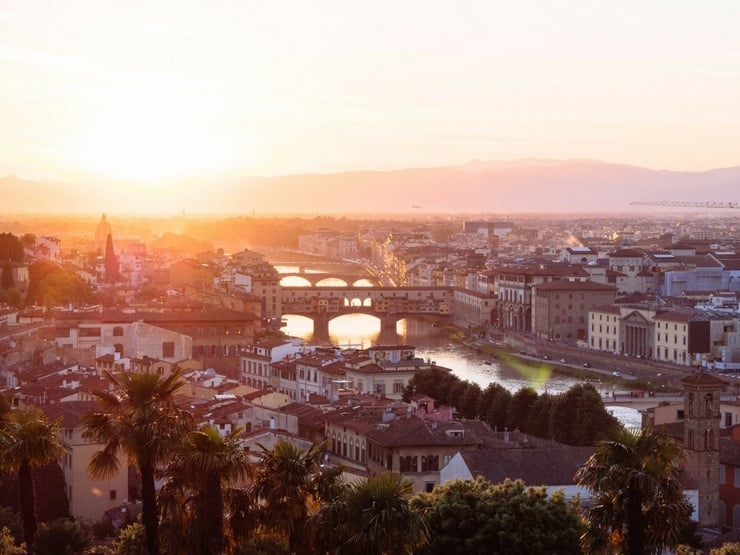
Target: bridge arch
(294, 280)
(330, 281)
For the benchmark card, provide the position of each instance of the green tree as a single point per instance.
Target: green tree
(494, 404)
(370, 517)
(726, 549)
(6, 280)
(579, 417)
(131, 540)
(436, 382)
(64, 536)
(538, 419)
(11, 520)
(192, 497)
(288, 481)
(48, 478)
(475, 516)
(467, 403)
(519, 408)
(638, 503)
(28, 440)
(142, 422)
(51, 285)
(11, 248)
(7, 544)
(28, 240)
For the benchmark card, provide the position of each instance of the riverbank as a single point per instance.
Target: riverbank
(574, 365)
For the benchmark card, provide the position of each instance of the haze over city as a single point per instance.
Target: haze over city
(179, 105)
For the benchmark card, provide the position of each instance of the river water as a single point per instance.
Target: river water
(433, 343)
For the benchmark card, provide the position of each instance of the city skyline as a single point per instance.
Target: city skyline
(138, 97)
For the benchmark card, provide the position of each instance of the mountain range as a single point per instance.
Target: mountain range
(528, 185)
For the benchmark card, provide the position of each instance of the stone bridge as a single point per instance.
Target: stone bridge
(314, 278)
(388, 304)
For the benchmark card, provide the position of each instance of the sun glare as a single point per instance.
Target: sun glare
(150, 133)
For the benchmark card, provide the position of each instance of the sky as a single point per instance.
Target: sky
(156, 90)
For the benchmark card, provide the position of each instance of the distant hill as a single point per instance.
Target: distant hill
(530, 185)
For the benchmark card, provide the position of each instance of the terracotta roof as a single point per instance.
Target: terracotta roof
(70, 412)
(703, 378)
(626, 253)
(549, 466)
(729, 451)
(567, 285)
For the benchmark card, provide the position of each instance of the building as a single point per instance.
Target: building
(561, 308)
(516, 284)
(88, 498)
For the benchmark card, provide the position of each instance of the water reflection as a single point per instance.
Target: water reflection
(433, 343)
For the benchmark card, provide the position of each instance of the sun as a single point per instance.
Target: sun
(151, 132)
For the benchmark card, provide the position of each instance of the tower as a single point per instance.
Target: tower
(111, 261)
(701, 441)
(102, 231)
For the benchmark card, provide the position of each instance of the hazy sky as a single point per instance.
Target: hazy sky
(147, 89)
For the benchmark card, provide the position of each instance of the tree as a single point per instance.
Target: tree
(48, 478)
(519, 408)
(494, 404)
(65, 535)
(131, 540)
(475, 516)
(7, 281)
(192, 495)
(7, 543)
(288, 481)
(579, 417)
(11, 248)
(144, 424)
(28, 440)
(638, 503)
(370, 517)
(51, 285)
(538, 419)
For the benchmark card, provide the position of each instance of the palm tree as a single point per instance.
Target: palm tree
(287, 483)
(639, 506)
(202, 466)
(28, 440)
(144, 423)
(371, 517)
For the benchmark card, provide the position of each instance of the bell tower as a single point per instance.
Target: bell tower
(701, 442)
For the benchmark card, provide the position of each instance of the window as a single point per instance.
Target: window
(429, 487)
(736, 478)
(430, 463)
(407, 463)
(89, 332)
(168, 349)
(113, 495)
(118, 331)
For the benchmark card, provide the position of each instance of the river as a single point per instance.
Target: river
(433, 343)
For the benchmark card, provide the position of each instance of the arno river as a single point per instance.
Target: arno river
(434, 344)
(362, 331)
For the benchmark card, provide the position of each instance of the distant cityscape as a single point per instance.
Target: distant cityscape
(657, 294)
